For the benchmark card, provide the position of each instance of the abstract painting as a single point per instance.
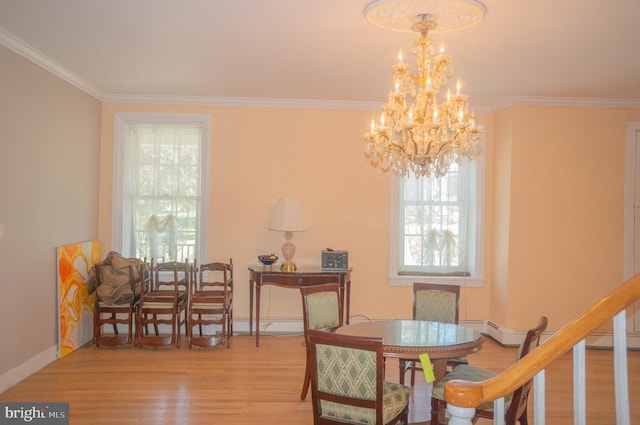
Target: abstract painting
(75, 302)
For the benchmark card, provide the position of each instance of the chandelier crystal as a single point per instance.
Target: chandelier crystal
(419, 130)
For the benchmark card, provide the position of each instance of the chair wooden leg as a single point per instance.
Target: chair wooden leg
(437, 407)
(307, 376)
(306, 383)
(403, 370)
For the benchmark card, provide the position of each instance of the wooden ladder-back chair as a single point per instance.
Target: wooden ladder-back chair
(120, 307)
(347, 382)
(321, 309)
(515, 404)
(436, 303)
(211, 304)
(164, 304)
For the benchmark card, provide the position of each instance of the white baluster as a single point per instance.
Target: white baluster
(620, 368)
(498, 411)
(579, 386)
(539, 402)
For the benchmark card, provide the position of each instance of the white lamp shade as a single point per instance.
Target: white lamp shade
(289, 216)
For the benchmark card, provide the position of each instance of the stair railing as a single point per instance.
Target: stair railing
(463, 396)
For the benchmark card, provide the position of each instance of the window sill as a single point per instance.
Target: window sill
(467, 282)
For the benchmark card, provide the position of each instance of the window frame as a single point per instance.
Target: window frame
(123, 120)
(477, 278)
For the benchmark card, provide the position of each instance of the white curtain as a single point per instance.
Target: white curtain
(163, 174)
(156, 226)
(438, 223)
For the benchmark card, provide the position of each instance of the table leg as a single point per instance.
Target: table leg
(257, 314)
(348, 300)
(439, 369)
(251, 285)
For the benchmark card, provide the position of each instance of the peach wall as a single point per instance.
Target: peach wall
(563, 249)
(553, 205)
(261, 154)
(499, 289)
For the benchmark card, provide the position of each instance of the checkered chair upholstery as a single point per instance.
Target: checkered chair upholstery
(435, 303)
(347, 382)
(321, 309)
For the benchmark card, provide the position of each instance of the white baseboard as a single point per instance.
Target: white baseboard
(29, 367)
(514, 337)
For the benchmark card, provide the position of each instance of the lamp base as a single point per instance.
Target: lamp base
(288, 266)
(288, 251)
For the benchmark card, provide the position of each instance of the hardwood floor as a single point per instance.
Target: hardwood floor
(245, 385)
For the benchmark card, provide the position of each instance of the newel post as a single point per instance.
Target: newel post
(462, 397)
(460, 415)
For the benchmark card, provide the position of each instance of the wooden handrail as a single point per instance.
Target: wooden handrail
(472, 394)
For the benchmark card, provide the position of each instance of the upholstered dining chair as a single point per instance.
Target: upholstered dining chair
(515, 404)
(321, 309)
(210, 304)
(347, 382)
(436, 303)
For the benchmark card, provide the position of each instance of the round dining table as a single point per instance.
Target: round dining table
(408, 339)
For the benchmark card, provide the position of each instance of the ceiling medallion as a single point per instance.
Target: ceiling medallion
(400, 15)
(421, 132)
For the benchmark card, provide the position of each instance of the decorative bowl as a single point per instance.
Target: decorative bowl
(267, 260)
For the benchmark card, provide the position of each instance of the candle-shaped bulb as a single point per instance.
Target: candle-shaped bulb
(400, 57)
(458, 86)
(373, 125)
(448, 95)
(382, 120)
(428, 83)
(435, 113)
(441, 48)
(410, 117)
(397, 86)
(460, 115)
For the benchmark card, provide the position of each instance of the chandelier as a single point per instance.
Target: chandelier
(420, 130)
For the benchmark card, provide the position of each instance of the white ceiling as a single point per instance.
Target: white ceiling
(325, 50)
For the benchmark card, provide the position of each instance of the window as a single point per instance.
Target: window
(161, 186)
(436, 226)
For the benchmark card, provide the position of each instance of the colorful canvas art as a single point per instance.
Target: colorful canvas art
(75, 303)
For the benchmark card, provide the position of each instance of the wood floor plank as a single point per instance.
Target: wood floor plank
(247, 385)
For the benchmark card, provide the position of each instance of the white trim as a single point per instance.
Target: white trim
(584, 102)
(504, 336)
(629, 187)
(26, 51)
(244, 101)
(27, 368)
(633, 128)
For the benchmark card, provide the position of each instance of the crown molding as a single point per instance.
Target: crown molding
(242, 101)
(23, 49)
(582, 102)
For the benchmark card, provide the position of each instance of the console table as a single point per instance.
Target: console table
(303, 276)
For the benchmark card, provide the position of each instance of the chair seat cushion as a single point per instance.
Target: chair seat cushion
(468, 373)
(206, 305)
(395, 399)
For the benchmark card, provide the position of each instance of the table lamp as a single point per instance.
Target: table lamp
(288, 217)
